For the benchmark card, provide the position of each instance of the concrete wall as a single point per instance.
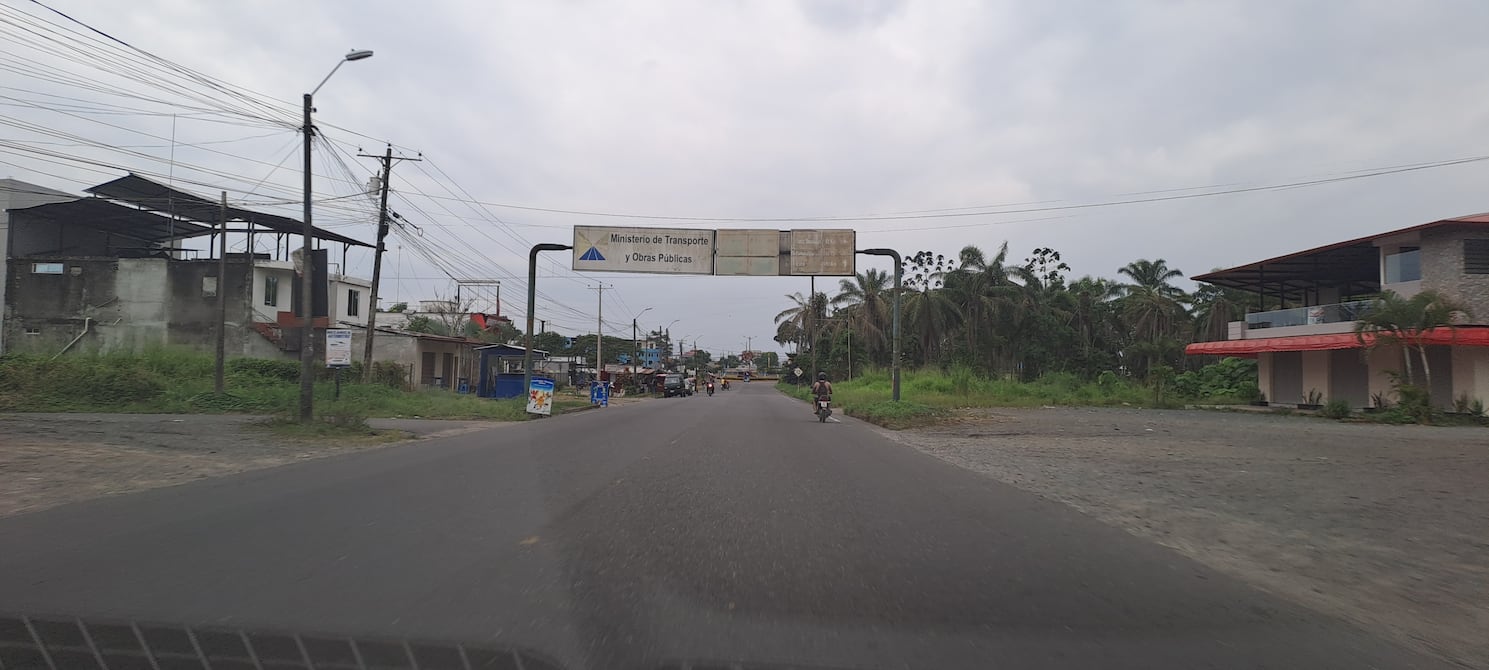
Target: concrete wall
(1349, 378)
(1382, 361)
(18, 195)
(1442, 268)
(128, 304)
(1287, 378)
(1264, 365)
(340, 303)
(408, 351)
(1315, 366)
(1470, 367)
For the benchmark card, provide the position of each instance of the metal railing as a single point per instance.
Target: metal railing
(1306, 316)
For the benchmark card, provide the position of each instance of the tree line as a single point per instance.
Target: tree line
(1019, 319)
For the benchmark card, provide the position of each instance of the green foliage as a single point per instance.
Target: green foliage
(398, 307)
(262, 370)
(962, 387)
(1314, 397)
(1229, 377)
(181, 381)
(1413, 405)
(1250, 393)
(1336, 409)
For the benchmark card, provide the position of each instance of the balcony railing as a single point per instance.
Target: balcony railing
(1307, 316)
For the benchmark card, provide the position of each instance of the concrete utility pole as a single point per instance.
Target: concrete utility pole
(599, 331)
(635, 343)
(217, 370)
(307, 293)
(377, 257)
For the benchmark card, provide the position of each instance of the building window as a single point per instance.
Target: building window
(1476, 257)
(33, 331)
(46, 268)
(353, 302)
(271, 291)
(1404, 265)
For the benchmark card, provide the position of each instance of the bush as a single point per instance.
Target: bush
(1230, 377)
(1336, 409)
(260, 370)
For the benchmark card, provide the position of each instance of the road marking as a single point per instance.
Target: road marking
(529, 541)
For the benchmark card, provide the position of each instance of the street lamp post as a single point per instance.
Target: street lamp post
(636, 343)
(899, 271)
(532, 299)
(307, 266)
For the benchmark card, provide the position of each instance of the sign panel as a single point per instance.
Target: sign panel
(338, 348)
(540, 397)
(823, 252)
(748, 252)
(654, 250)
(599, 393)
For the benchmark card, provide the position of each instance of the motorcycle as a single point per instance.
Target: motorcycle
(710, 388)
(824, 409)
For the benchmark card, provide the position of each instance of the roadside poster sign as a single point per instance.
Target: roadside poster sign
(797, 371)
(653, 250)
(540, 397)
(599, 394)
(338, 348)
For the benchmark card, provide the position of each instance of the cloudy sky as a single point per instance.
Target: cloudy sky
(1015, 111)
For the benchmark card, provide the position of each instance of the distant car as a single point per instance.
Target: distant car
(675, 385)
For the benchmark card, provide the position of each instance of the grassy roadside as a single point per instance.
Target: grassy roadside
(180, 382)
(929, 396)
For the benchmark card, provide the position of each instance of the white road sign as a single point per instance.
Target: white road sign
(654, 250)
(338, 348)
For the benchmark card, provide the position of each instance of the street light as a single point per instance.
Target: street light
(635, 343)
(532, 299)
(307, 266)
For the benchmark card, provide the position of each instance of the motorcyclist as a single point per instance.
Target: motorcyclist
(821, 390)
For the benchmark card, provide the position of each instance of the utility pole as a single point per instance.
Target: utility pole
(377, 257)
(217, 373)
(812, 327)
(599, 330)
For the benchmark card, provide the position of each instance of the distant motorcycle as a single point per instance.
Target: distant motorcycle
(824, 409)
(710, 388)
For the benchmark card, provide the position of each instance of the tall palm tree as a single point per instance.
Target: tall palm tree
(864, 304)
(1215, 307)
(1153, 309)
(1153, 276)
(930, 317)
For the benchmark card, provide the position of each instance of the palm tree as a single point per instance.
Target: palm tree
(1153, 308)
(864, 304)
(931, 315)
(805, 316)
(1406, 322)
(1215, 307)
(1153, 276)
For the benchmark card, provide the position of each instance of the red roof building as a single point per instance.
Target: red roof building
(1302, 329)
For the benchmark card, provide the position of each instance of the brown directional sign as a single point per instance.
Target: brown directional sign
(822, 252)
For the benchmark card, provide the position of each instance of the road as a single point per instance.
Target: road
(726, 529)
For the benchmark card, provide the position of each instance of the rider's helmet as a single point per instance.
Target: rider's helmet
(821, 376)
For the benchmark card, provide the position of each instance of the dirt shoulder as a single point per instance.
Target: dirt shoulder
(1382, 525)
(51, 459)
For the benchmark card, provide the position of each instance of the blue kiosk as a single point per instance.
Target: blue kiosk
(501, 370)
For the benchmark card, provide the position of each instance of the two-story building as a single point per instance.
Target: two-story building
(1303, 335)
(126, 270)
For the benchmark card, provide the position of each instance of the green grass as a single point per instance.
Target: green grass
(173, 381)
(927, 395)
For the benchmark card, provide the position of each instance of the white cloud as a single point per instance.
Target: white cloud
(770, 109)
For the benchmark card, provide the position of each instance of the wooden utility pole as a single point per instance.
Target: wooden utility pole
(377, 257)
(217, 370)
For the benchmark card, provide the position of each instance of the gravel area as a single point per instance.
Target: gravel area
(51, 459)
(1387, 526)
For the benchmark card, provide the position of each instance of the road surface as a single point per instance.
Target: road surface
(725, 529)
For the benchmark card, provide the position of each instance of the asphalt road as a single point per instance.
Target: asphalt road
(732, 529)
